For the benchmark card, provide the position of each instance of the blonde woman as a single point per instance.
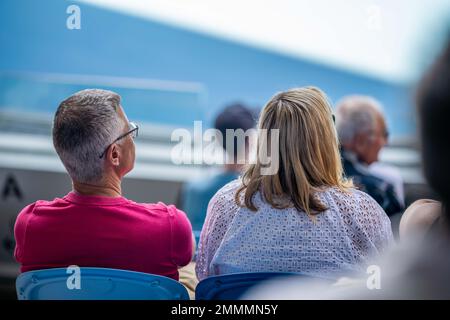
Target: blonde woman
(304, 218)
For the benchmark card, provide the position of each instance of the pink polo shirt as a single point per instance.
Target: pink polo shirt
(96, 231)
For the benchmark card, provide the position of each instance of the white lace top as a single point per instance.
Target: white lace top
(344, 238)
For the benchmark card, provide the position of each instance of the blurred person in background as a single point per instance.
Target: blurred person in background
(433, 99)
(362, 133)
(305, 217)
(196, 194)
(94, 225)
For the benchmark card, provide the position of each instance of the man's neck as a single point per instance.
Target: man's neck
(106, 189)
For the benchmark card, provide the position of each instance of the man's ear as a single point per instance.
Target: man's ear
(114, 155)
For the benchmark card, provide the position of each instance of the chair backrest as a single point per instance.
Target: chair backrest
(233, 286)
(97, 284)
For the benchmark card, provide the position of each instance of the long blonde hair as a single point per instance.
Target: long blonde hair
(308, 153)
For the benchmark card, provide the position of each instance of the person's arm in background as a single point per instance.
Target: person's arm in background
(419, 217)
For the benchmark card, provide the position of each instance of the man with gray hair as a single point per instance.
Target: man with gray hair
(94, 225)
(362, 133)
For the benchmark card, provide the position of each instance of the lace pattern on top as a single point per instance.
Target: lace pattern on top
(343, 239)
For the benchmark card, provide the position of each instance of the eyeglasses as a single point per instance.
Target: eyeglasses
(134, 130)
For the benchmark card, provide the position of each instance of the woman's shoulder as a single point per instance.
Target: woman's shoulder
(351, 197)
(230, 187)
(227, 191)
(355, 205)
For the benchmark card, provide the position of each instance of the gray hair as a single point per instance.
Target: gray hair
(84, 125)
(355, 115)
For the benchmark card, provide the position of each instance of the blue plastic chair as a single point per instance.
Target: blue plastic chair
(98, 284)
(233, 286)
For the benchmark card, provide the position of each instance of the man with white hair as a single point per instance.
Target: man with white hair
(362, 133)
(94, 225)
